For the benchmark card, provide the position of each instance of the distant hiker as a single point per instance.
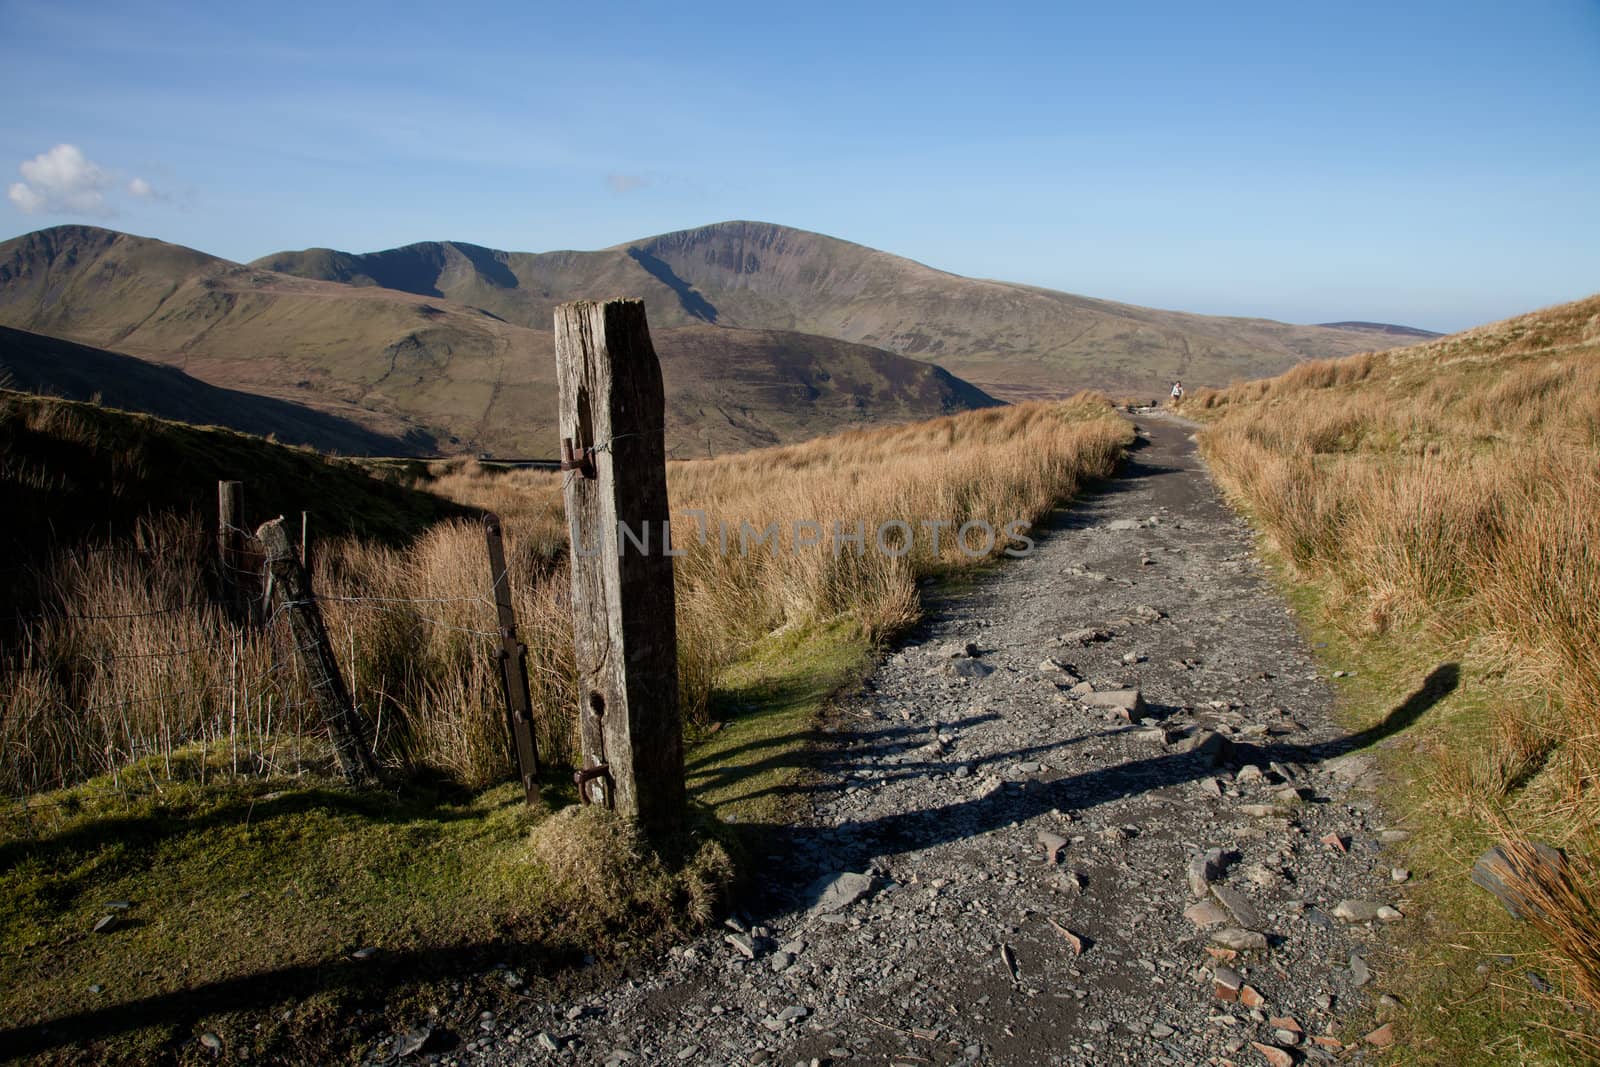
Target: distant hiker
(1177, 392)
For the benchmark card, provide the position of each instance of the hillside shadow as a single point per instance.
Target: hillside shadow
(488, 265)
(688, 296)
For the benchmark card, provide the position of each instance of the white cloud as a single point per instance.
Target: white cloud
(65, 181)
(626, 183)
(140, 188)
(27, 201)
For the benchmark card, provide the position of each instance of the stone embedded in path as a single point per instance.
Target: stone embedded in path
(970, 668)
(1124, 524)
(1355, 769)
(411, 1041)
(1087, 636)
(1241, 909)
(1357, 911)
(1209, 744)
(1240, 940)
(1226, 983)
(1053, 844)
(1360, 973)
(1275, 1056)
(836, 892)
(1130, 702)
(1206, 913)
(1204, 869)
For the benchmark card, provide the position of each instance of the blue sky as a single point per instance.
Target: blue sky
(1436, 164)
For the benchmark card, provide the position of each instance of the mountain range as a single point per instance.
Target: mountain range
(766, 333)
(1012, 340)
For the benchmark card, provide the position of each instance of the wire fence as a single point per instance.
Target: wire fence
(86, 692)
(193, 647)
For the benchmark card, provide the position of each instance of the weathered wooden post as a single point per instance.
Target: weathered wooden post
(316, 654)
(513, 663)
(611, 411)
(230, 548)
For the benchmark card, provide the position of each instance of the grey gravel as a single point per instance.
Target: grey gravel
(937, 798)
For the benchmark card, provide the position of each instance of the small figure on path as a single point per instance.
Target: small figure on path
(1177, 392)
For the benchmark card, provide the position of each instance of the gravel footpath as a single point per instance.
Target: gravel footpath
(1012, 859)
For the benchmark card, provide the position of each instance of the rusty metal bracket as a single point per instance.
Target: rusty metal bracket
(599, 771)
(571, 461)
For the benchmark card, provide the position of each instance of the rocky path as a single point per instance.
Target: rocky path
(1013, 860)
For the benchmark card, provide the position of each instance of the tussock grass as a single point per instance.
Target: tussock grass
(608, 878)
(1447, 494)
(122, 653)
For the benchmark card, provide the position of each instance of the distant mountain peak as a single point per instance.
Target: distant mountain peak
(1382, 327)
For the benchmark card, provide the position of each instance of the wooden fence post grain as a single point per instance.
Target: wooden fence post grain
(230, 548)
(316, 654)
(611, 415)
(513, 664)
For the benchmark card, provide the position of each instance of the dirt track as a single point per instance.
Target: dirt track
(943, 774)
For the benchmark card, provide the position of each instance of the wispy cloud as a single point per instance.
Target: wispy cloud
(64, 181)
(626, 183)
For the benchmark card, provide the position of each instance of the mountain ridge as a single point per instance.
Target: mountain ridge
(457, 373)
(1014, 340)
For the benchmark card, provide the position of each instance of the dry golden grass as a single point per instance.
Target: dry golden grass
(1455, 486)
(131, 657)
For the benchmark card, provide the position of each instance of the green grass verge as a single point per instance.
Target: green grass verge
(250, 902)
(1460, 966)
(768, 706)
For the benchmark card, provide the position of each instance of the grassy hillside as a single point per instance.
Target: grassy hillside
(35, 363)
(80, 472)
(1011, 340)
(1439, 505)
(422, 367)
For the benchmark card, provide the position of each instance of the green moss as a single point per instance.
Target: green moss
(768, 708)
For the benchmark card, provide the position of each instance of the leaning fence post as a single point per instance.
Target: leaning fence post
(611, 410)
(316, 654)
(513, 664)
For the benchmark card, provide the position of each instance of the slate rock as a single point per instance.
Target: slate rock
(1206, 913)
(1240, 940)
(1507, 872)
(1204, 869)
(1241, 909)
(1356, 911)
(836, 892)
(1130, 702)
(976, 670)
